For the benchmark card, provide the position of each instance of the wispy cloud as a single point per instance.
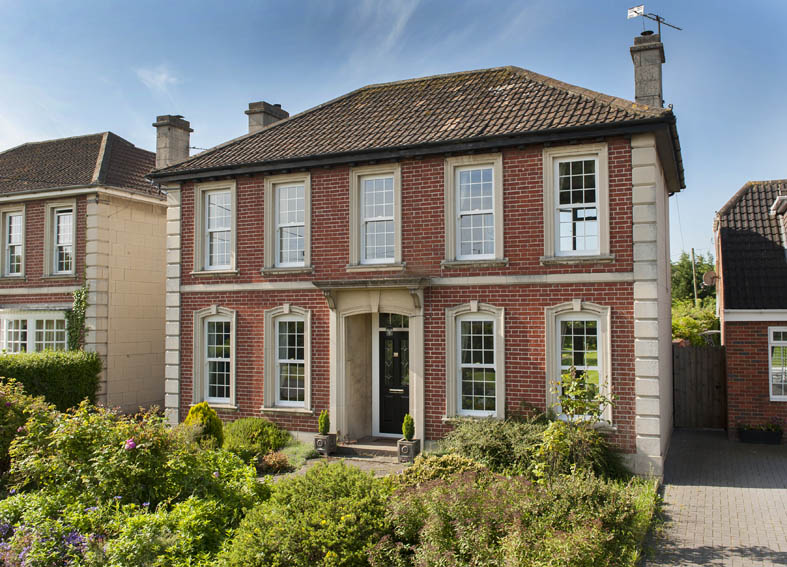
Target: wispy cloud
(158, 79)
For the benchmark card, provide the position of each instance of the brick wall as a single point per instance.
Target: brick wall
(748, 398)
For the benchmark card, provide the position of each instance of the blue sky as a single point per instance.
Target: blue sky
(76, 67)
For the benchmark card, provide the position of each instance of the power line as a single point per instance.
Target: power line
(680, 225)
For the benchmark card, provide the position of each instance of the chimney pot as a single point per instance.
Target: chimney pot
(647, 53)
(262, 114)
(173, 135)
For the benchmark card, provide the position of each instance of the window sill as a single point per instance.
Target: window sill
(70, 276)
(18, 278)
(272, 271)
(597, 259)
(376, 267)
(485, 263)
(279, 409)
(226, 407)
(457, 418)
(779, 400)
(201, 273)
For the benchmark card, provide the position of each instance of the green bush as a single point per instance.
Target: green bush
(432, 467)
(331, 515)
(274, 463)
(16, 407)
(62, 378)
(253, 437)
(323, 423)
(205, 418)
(567, 447)
(503, 446)
(497, 521)
(690, 321)
(408, 427)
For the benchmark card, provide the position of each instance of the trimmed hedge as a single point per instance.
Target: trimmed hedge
(63, 378)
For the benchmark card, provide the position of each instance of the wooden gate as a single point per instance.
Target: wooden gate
(699, 378)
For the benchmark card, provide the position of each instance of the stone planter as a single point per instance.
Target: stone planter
(407, 450)
(325, 444)
(759, 436)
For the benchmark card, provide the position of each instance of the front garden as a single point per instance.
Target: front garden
(90, 487)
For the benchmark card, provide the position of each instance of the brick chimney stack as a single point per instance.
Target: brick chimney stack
(172, 139)
(262, 114)
(648, 56)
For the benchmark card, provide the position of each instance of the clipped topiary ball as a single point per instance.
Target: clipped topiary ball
(208, 420)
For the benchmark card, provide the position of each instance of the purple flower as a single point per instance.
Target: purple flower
(130, 444)
(20, 429)
(146, 504)
(12, 491)
(91, 509)
(215, 474)
(118, 498)
(8, 404)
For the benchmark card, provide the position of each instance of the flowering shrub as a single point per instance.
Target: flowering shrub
(15, 409)
(331, 515)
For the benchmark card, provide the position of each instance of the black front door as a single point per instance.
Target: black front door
(394, 380)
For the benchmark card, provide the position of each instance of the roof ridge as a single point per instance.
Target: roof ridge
(56, 140)
(101, 161)
(740, 193)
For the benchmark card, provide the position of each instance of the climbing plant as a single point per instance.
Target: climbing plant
(75, 319)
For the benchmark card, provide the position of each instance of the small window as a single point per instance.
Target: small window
(576, 213)
(290, 225)
(16, 335)
(290, 362)
(13, 243)
(63, 240)
(50, 334)
(218, 229)
(778, 363)
(377, 219)
(477, 370)
(34, 331)
(475, 213)
(218, 360)
(579, 340)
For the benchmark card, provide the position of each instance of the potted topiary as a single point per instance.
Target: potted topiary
(768, 434)
(408, 447)
(324, 442)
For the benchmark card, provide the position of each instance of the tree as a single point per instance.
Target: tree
(682, 287)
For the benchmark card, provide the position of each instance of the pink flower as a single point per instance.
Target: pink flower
(130, 444)
(20, 429)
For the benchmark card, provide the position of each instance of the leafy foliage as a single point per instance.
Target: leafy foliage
(63, 378)
(75, 319)
(689, 322)
(332, 515)
(578, 401)
(682, 286)
(16, 407)
(253, 437)
(408, 427)
(274, 463)
(207, 420)
(432, 467)
(324, 423)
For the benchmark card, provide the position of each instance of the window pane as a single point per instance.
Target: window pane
(378, 240)
(218, 354)
(579, 348)
(779, 370)
(219, 211)
(477, 234)
(477, 365)
(475, 190)
(13, 243)
(50, 334)
(16, 335)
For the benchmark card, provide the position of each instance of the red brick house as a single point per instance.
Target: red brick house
(77, 211)
(443, 246)
(751, 264)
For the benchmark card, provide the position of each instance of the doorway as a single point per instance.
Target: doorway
(391, 376)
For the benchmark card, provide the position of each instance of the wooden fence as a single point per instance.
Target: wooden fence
(700, 386)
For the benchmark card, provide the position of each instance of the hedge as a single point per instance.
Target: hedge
(63, 378)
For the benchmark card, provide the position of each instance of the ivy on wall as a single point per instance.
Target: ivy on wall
(75, 319)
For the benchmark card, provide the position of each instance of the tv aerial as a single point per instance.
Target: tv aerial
(639, 11)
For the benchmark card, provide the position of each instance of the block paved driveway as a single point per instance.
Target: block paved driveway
(725, 503)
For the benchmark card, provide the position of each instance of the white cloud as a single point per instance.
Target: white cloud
(158, 79)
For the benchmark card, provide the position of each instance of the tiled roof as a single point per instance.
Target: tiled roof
(472, 105)
(95, 159)
(754, 267)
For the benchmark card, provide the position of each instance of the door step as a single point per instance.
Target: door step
(368, 447)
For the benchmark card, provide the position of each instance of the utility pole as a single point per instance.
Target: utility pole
(694, 278)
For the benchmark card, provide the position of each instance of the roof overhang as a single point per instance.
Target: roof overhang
(779, 205)
(667, 143)
(75, 190)
(754, 315)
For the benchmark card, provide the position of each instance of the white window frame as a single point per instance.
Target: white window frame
(772, 343)
(4, 245)
(280, 226)
(453, 318)
(271, 401)
(552, 156)
(50, 238)
(357, 176)
(578, 310)
(200, 378)
(280, 361)
(31, 318)
(453, 165)
(200, 227)
(271, 240)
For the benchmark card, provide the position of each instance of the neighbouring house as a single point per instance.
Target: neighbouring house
(751, 265)
(79, 211)
(444, 246)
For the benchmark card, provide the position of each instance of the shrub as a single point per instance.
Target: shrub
(298, 453)
(323, 423)
(567, 447)
(493, 520)
(206, 418)
(503, 446)
(433, 467)
(408, 427)
(254, 437)
(62, 378)
(15, 409)
(274, 463)
(99, 455)
(331, 515)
